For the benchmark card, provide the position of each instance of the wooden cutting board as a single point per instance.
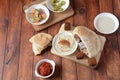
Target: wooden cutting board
(54, 17)
(83, 61)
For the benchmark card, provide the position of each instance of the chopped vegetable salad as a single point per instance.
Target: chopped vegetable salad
(37, 15)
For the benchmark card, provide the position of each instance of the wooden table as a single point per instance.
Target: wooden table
(17, 61)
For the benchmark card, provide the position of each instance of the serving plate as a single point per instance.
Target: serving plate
(64, 34)
(37, 6)
(106, 23)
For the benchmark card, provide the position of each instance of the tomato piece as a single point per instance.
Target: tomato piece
(44, 16)
(31, 15)
(37, 20)
(33, 10)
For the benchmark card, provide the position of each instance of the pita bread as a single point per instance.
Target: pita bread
(41, 39)
(90, 40)
(39, 42)
(36, 50)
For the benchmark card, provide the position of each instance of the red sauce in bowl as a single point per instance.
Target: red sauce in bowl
(45, 68)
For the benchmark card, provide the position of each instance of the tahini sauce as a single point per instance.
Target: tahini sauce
(105, 24)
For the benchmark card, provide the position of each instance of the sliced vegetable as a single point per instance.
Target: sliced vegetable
(37, 15)
(43, 16)
(57, 5)
(63, 2)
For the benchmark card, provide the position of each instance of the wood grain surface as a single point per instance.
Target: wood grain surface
(17, 61)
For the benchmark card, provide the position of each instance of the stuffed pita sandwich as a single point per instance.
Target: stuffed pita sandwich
(89, 42)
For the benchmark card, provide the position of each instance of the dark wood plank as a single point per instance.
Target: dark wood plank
(98, 76)
(69, 71)
(29, 57)
(80, 18)
(111, 55)
(53, 30)
(106, 7)
(3, 32)
(93, 7)
(92, 11)
(80, 9)
(13, 41)
(26, 53)
(116, 9)
(111, 59)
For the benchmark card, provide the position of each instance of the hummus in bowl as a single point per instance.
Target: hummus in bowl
(64, 43)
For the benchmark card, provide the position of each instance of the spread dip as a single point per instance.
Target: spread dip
(105, 24)
(45, 69)
(64, 43)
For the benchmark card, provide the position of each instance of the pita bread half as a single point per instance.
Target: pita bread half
(90, 40)
(37, 50)
(41, 39)
(39, 42)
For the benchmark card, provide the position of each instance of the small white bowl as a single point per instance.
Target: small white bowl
(39, 63)
(106, 23)
(65, 34)
(50, 7)
(38, 6)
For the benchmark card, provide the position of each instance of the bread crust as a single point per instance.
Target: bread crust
(90, 40)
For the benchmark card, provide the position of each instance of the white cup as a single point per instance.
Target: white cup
(39, 63)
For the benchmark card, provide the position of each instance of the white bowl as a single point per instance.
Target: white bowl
(39, 63)
(50, 7)
(106, 23)
(37, 6)
(65, 34)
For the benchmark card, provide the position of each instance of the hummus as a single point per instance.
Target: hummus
(64, 43)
